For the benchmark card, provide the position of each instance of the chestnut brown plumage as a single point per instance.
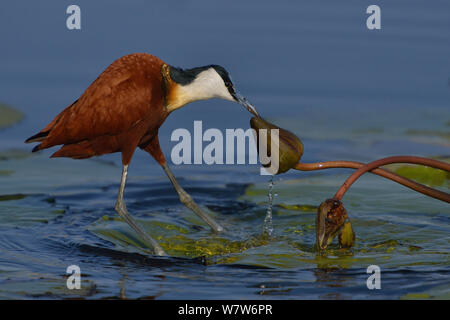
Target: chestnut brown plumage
(124, 108)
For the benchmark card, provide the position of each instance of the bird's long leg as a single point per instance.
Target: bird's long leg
(187, 200)
(121, 209)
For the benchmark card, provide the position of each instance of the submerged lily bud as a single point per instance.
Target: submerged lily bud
(346, 236)
(290, 148)
(330, 219)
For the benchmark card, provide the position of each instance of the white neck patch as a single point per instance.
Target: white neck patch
(208, 84)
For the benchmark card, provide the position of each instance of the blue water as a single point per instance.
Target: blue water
(312, 68)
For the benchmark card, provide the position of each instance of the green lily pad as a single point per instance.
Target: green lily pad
(298, 207)
(441, 292)
(175, 239)
(346, 235)
(14, 154)
(425, 175)
(18, 215)
(432, 133)
(9, 116)
(390, 232)
(50, 287)
(6, 172)
(9, 197)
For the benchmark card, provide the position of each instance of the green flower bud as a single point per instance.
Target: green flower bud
(330, 219)
(290, 148)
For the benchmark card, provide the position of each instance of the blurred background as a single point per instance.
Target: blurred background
(313, 68)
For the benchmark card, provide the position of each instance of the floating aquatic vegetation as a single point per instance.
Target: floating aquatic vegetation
(297, 207)
(9, 197)
(6, 172)
(431, 134)
(331, 215)
(440, 292)
(47, 287)
(428, 176)
(14, 154)
(175, 240)
(21, 216)
(332, 218)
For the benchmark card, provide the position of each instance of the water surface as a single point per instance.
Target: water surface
(347, 92)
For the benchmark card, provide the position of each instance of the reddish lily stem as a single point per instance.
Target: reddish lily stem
(437, 194)
(396, 159)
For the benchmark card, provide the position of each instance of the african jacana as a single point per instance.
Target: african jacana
(124, 108)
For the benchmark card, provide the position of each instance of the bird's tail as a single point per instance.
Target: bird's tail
(39, 137)
(43, 134)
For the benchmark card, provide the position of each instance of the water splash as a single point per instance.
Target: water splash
(268, 226)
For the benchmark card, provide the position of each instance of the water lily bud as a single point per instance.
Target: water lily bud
(290, 148)
(346, 236)
(330, 218)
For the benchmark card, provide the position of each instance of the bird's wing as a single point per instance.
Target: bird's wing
(114, 103)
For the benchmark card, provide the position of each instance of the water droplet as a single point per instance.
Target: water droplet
(268, 226)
